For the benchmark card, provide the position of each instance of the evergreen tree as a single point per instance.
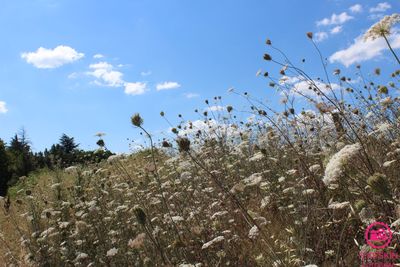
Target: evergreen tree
(20, 155)
(4, 173)
(67, 150)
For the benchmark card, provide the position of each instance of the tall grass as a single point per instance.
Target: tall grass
(292, 186)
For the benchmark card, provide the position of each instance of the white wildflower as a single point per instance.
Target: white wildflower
(253, 179)
(138, 241)
(63, 225)
(366, 216)
(256, 157)
(338, 206)
(265, 201)
(386, 101)
(289, 190)
(71, 169)
(291, 172)
(219, 214)
(239, 187)
(55, 186)
(186, 176)
(114, 158)
(329, 252)
(212, 242)
(81, 256)
(112, 252)
(308, 192)
(382, 27)
(87, 173)
(334, 168)
(177, 218)
(47, 231)
(387, 164)
(254, 232)
(314, 168)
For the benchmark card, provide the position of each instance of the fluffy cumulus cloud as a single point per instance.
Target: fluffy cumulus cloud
(381, 7)
(298, 85)
(320, 36)
(336, 29)
(106, 75)
(44, 58)
(362, 50)
(167, 86)
(3, 108)
(357, 8)
(335, 19)
(136, 88)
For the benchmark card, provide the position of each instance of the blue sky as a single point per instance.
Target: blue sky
(82, 67)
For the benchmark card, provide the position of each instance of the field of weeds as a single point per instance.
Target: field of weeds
(291, 187)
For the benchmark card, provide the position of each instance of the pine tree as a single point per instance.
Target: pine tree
(4, 173)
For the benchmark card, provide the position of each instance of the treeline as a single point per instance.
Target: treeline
(17, 158)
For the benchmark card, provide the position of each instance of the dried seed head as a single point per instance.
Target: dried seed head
(383, 90)
(267, 57)
(140, 216)
(229, 108)
(137, 120)
(183, 144)
(268, 42)
(360, 204)
(310, 35)
(379, 184)
(162, 113)
(166, 144)
(100, 143)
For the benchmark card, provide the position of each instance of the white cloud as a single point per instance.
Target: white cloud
(320, 36)
(167, 86)
(73, 75)
(106, 75)
(357, 8)
(145, 73)
(3, 108)
(362, 50)
(335, 19)
(136, 88)
(215, 108)
(299, 85)
(191, 95)
(381, 7)
(303, 87)
(45, 58)
(376, 16)
(97, 56)
(210, 128)
(336, 29)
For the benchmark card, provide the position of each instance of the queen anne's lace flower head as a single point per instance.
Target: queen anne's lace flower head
(382, 27)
